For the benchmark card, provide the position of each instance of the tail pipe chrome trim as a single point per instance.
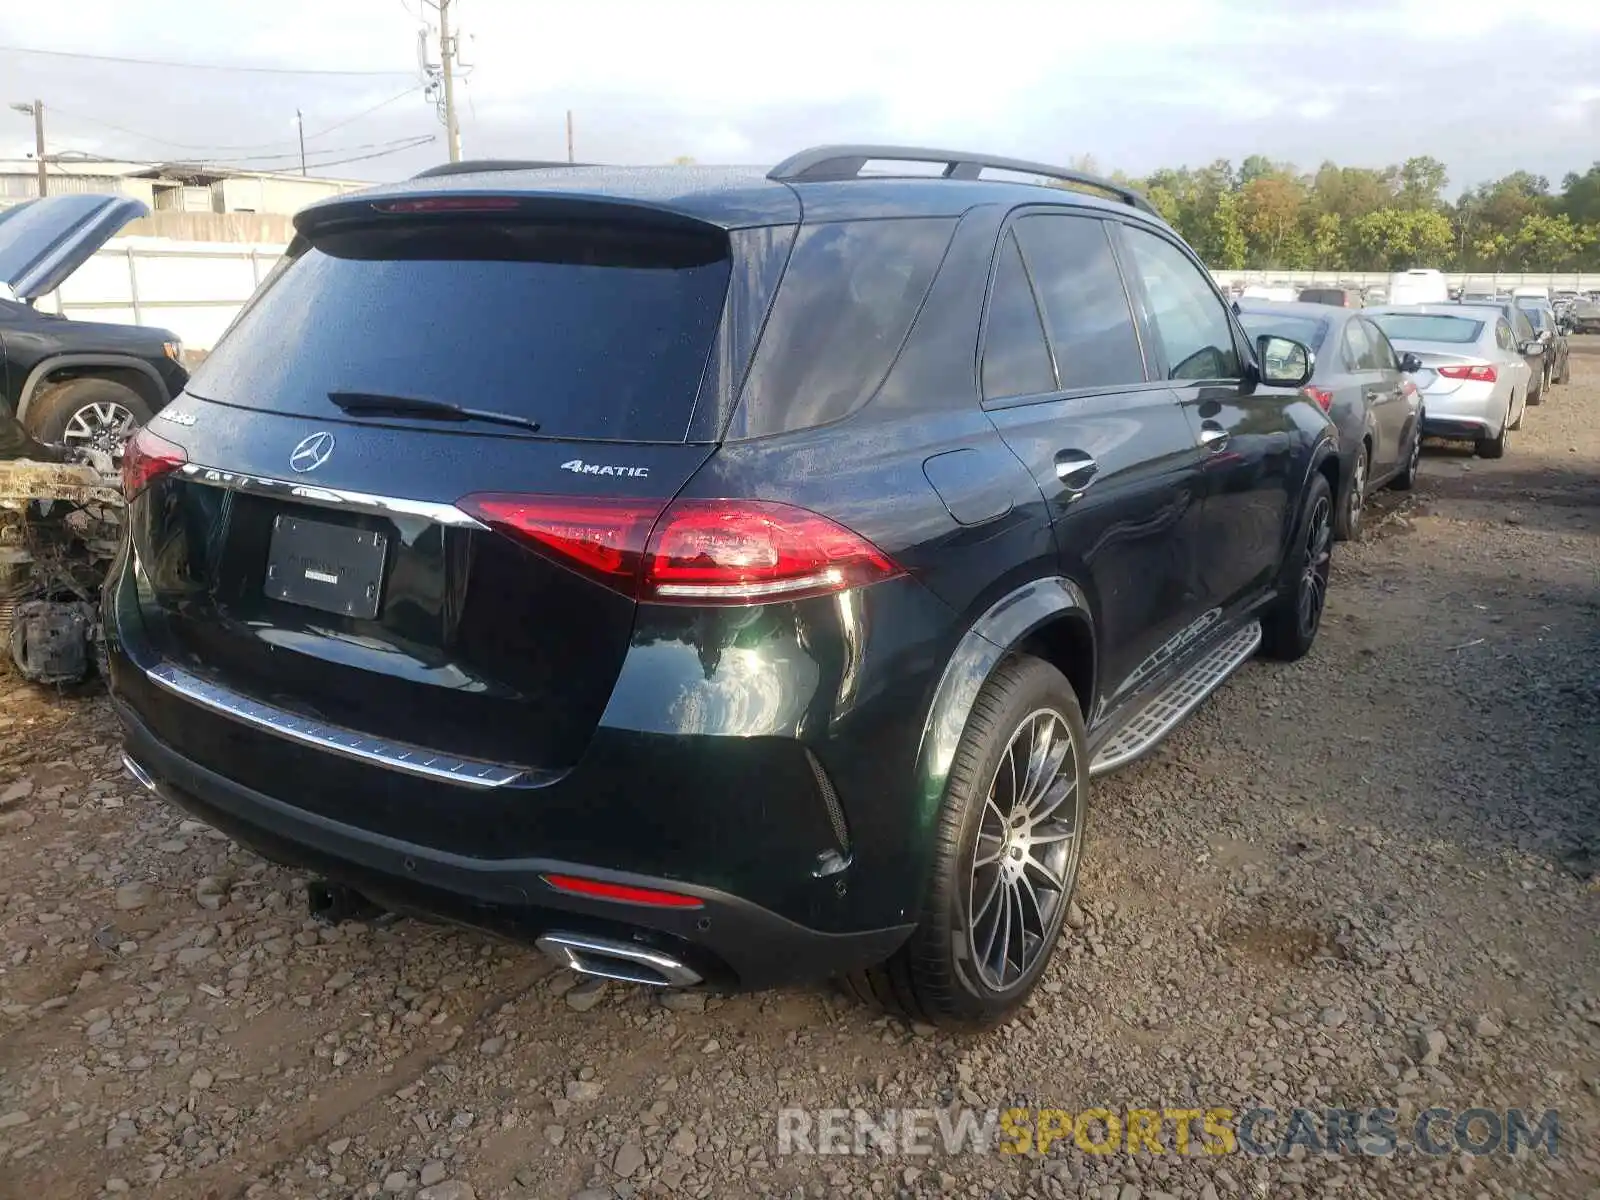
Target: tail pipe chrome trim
(413, 760)
(623, 961)
(142, 777)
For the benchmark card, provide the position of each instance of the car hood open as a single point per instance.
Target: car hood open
(44, 241)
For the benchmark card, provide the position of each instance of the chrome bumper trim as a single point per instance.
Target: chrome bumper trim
(397, 756)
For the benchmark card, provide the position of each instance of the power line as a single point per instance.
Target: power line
(198, 165)
(150, 137)
(188, 66)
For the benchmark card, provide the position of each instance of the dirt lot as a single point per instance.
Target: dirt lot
(1368, 879)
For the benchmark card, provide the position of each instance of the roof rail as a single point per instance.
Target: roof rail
(845, 162)
(473, 165)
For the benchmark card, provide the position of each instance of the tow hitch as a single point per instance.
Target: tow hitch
(332, 903)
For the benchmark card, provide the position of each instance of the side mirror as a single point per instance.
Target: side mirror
(1533, 347)
(1284, 362)
(1410, 363)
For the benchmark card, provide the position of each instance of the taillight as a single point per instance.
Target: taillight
(602, 538)
(146, 457)
(1481, 373)
(694, 552)
(1322, 396)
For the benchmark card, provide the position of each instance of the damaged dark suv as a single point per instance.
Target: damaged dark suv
(714, 576)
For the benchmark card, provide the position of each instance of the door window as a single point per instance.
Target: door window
(1503, 337)
(1016, 358)
(1523, 327)
(1185, 310)
(1357, 348)
(1383, 358)
(1086, 312)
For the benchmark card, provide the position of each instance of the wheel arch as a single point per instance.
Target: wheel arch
(132, 372)
(1050, 617)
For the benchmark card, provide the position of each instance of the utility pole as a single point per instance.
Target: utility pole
(569, 136)
(447, 56)
(300, 122)
(36, 111)
(38, 145)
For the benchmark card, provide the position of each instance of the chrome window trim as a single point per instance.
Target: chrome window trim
(412, 760)
(306, 493)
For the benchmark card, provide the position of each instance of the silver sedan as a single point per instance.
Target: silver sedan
(1474, 379)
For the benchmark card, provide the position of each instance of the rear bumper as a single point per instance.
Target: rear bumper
(1446, 426)
(728, 941)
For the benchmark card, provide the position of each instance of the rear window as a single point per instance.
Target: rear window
(1418, 327)
(1308, 331)
(1334, 296)
(596, 332)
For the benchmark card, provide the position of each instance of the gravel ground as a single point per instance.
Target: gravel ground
(1368, 879)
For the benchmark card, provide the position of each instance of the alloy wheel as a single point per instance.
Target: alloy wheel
(1025, 855)
(1358, 491)
(103, 425)
(1314, 573)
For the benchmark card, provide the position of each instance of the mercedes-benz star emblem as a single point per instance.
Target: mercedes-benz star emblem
(311, 452)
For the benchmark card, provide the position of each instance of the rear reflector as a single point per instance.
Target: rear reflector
(1478, 374)
(1322, 396)
(695, 552)
(147, 457)
(600, 890)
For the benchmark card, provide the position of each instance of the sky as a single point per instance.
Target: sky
(1484, 86)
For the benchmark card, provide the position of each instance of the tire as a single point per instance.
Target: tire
(1495, 447)
(1289, 624)
(1347, 521)
(953, 971)
(1536, 398)
(1407, 479)
(92, 412)
(1566, 369)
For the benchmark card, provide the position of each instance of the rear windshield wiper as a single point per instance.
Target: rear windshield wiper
(429, 410)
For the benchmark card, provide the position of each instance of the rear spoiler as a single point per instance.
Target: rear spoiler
(369, 209)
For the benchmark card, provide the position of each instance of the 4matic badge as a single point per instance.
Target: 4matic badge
(579, 467)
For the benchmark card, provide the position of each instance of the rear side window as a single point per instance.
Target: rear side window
(594, 331)
(1086, 310)
(1016, 360)
(845, 307)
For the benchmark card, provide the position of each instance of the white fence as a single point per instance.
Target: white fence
(192, 288)
(1500, 281)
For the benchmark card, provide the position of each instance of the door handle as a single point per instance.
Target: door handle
(1213, 437)
(1075, 469)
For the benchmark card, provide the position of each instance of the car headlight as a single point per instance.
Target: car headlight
(174, 351)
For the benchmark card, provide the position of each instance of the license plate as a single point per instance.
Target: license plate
(329, 567)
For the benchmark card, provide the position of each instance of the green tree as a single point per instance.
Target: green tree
(1327, 242)
(1580, 196)
(1421, 181)
(1270, 207)
(1226, 246)
(1548, 243)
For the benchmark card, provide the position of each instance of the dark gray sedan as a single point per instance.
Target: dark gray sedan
(1361, 383)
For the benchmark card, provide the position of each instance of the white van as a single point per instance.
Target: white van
(1421, 285)
(1536, 293)
(1274, 292)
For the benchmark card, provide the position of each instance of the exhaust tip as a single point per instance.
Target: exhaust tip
(142, 777)
(625, 962)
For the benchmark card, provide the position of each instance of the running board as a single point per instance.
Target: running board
(1181, 697)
